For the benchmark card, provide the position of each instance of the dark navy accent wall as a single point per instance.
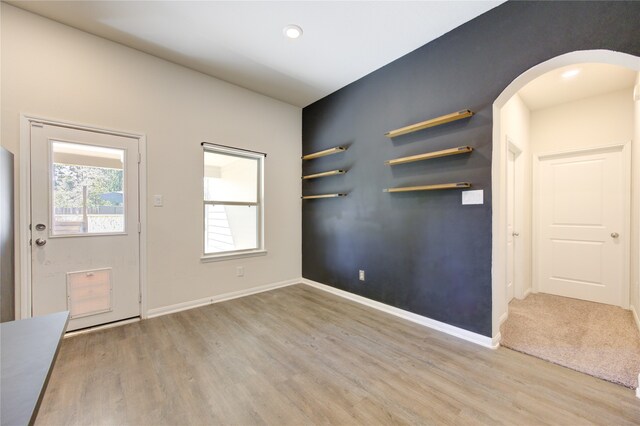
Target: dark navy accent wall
(424, 251)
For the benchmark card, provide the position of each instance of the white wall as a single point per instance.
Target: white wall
(54, 71)
(596, 121)
(634, 298)
(514, 119)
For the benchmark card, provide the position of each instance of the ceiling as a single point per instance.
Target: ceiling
(242, 41)
(591, 80)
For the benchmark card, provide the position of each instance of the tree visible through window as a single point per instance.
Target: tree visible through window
(70, 181)
(232, 200)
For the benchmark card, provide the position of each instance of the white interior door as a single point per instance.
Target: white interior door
(84, 225)
(581, 210)
(511, 227)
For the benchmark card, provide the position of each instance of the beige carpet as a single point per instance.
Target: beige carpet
(600, 340)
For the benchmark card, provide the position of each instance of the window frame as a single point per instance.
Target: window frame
(259, 250)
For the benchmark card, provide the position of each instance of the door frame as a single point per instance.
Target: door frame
(625, 151)
(518, 213)
(26, 120)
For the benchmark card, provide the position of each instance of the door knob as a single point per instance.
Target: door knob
(40, 242)
(41, 227)
(614, 235)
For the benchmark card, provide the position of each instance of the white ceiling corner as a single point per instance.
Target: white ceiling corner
(242, 42)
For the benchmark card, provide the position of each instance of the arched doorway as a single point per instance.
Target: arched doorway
(499, 162)
(503, 157)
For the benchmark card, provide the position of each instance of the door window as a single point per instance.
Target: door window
(87, 189)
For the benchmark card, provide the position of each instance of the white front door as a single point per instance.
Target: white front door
(84, 225)
(581, 211)
(511, 229)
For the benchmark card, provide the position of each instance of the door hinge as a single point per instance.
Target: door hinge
(139, 158)
(139, 297)
(139, 227)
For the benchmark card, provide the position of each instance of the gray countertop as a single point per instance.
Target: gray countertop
(28, 351)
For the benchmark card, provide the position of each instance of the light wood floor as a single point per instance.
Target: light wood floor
(297, 356)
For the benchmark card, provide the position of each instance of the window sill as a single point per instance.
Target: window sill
(230, 256)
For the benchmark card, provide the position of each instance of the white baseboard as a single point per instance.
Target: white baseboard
(165, 310)
(635, 317)
(410, 316)
(503, 317)
(495, 341)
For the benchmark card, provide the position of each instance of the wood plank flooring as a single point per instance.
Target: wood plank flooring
(296, 356)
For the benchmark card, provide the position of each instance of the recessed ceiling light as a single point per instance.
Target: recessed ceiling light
(292, 31)
(571, 73)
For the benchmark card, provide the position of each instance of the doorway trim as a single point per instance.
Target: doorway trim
(518, 213)
(498, 163)
(518, 282)
(625, 151)
(24, 301)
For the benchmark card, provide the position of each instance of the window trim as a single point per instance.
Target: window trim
(260, 250)
(237, 254)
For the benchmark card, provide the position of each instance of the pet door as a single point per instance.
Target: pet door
(89, 292)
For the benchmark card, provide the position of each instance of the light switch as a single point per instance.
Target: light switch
(157, 201)
(473, 197)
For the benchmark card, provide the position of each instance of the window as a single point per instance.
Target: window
(233, 213)
(87, 189)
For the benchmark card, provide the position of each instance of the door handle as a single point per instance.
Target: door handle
(41, 227)
(614, 235)
(515, 234)
(40, 242)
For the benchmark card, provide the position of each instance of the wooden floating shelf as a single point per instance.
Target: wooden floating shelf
(448, 118)
(430, 187)
(429, 155)
(323, 174)
(311, 197)
(329, 151)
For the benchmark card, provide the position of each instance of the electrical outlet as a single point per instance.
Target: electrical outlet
(361, 275)
(240, 271)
